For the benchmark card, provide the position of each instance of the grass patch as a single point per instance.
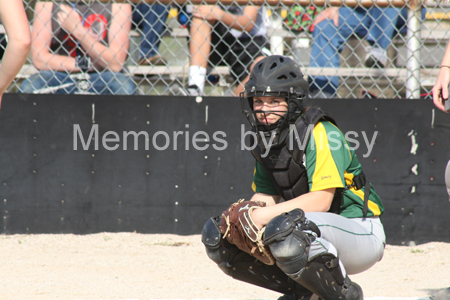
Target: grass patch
(417, 251)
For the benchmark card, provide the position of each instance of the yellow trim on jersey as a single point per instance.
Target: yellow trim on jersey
(372, 205)
(348, 178)
(326, 174)
(253, 183)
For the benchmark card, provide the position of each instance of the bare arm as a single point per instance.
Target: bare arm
(17, 28)
(318, 201)
(42, 35)
(268, 199)
(114, 55)
(215, 13)
(440, 89)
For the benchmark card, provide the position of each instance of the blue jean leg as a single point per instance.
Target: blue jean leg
(384, 22)
(354, 21)
(45, 79)
(105, 83)
(111, 83)
(325, 53)
(153, 18)
(328, 41)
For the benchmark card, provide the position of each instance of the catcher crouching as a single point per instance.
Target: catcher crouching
(314, 218)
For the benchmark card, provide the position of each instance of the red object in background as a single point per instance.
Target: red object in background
(97, 26)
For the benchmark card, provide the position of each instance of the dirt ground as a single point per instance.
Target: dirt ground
(153, 266)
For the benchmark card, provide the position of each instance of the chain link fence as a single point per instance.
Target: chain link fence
(92, 47)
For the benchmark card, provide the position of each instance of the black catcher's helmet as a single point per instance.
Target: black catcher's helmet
(277, 76)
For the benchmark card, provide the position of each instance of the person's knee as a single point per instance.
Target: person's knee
(36, 81)
(118, 83)
(128, 87)
(324, 26)
(288, 237)
(26, 86)
(214, 242)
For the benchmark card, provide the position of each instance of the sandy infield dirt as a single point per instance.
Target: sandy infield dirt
(164, 266)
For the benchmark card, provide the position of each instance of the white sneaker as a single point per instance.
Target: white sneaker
(376, 58)
(193, 90)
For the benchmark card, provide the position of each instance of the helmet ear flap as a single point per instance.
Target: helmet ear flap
(295, 105)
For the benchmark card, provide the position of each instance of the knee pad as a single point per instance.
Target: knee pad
(214, 243)
(284, 224)
(289, 237)
(300, 252)
(219, 250)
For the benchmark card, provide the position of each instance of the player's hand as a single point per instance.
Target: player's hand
(207, 12)
(70, 20)
(440, 89)
(326, 14)
(256, 217)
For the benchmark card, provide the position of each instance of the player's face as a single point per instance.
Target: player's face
(276, 107)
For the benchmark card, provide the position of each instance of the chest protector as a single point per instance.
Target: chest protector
(284, 164)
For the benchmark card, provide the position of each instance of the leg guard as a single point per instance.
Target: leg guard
(300, 252)
(244, 267)
(443, 294)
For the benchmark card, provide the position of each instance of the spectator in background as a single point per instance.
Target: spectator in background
(14, 19)
(440, 96)
(4, 42)
(231, 35)
(91, 38)
(333, 27)
(152, 18)
(440, 89)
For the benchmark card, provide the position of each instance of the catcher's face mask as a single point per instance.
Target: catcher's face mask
(269, 114)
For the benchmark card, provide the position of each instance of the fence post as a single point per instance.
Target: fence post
(413, 50)
(276, 40)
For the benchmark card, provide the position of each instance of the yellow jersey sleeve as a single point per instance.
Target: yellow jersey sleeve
(326, 157)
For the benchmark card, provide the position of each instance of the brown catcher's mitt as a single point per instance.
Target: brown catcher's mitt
(238, 228)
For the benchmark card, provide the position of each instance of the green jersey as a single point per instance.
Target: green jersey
(330, 163)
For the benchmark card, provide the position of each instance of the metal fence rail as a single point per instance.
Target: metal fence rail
(117, 53)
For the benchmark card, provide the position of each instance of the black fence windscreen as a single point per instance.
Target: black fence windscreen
(85, 164)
